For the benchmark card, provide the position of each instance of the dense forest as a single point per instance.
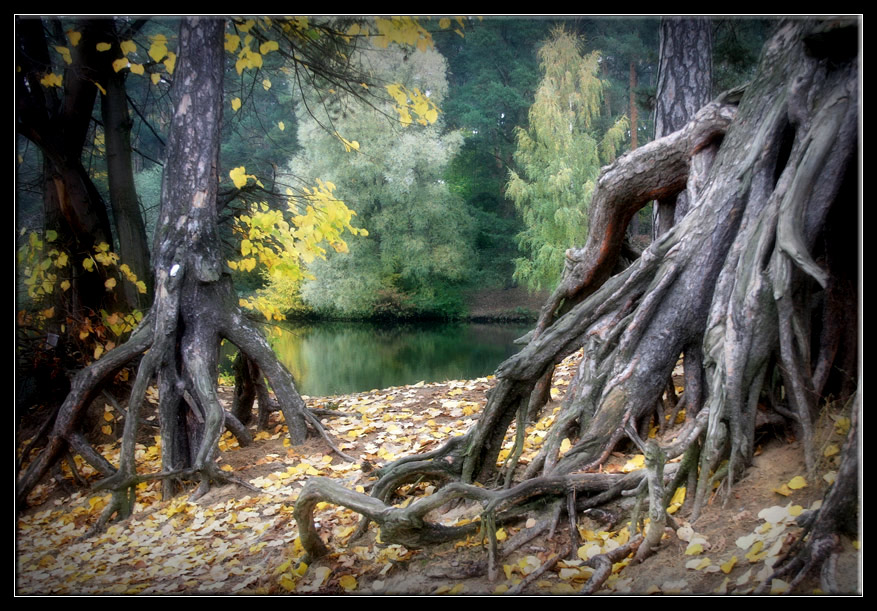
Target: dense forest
(182, 182)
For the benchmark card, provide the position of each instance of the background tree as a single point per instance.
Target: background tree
(72, 310)
(418, 250)
(560, 155)
(493, 74)
(740, 276)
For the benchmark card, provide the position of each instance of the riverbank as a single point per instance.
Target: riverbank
(235, 540)
(504, 304)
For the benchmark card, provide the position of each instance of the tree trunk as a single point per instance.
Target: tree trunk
(195, 305)
(734, 287)
(127, 219)
(684, 87)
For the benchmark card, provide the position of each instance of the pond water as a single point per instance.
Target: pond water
(342, 357)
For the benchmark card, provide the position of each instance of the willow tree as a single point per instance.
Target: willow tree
(418, 248)
(755, 286)
(560, 155)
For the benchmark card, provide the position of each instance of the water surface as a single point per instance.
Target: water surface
(342, 357)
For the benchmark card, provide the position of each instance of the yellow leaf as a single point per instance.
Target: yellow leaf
(137, 68)
(65, 284)
(99, 86)
(797, 482)
(155, 78)
(842, 426)
(106, 429)
(120, 64)
(830, 451)
(266, 84)
(693, 549)
(141, 286)
(170, 62)
(444, 23)
(729, 565)
(239, 176)
(231, 42)
(108, 416)
(784, 490)
(65, 54)
(236, 105)
(778, 586)
(268, 46)
(281, 125)
(48, 312)
(348, 582)
(158, 48)
(110, 283)
(128, 46)
(565, 445)
(103, 46)
(51, 80)
(99, 350)
(74, 37)
(51, 235)
(637, 462)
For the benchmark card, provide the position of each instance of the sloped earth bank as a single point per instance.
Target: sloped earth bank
(237, 541)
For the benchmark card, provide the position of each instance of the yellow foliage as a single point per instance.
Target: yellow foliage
(65, 54)
(281, 241)
(170, 62)
(158, 48)
(103, 46)
(128, 46)
(51, 80)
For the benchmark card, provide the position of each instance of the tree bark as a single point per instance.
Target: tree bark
(735, 285)
(127, 219)
(195, 305)
(684, 87)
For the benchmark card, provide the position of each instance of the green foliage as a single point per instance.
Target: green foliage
(560, 155)
(417, 252)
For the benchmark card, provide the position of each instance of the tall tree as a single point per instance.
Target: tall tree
(560, 154)
(195, 304)
(754, 275)
(684, 87)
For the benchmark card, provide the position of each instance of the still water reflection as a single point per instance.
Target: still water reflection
(336, 358)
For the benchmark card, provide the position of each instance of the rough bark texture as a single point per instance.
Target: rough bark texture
(195, 305)
(684, 87)
(734, 287)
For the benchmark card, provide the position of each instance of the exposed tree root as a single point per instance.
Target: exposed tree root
(195, 308)
(734, 287)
